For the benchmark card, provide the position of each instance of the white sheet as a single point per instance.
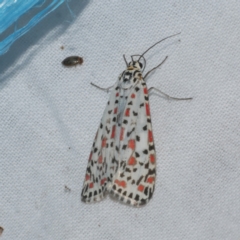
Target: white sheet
(49, 116)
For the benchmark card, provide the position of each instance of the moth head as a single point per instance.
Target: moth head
(135, 65)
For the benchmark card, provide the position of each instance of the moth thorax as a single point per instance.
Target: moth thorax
(126, 79)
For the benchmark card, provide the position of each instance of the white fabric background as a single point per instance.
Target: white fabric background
(49, 115)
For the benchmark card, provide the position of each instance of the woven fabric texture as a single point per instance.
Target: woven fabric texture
(50, 114)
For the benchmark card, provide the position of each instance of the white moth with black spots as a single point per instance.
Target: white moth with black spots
(122, 161)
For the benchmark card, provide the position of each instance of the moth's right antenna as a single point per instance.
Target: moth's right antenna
(158, 43)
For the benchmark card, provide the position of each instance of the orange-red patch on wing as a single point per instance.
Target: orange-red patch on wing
(91, 185)
(152, 158)
(122, 133)
(145, 91)
(150, 179)
(103, 181)
(131, 143)
(117, 94)
(133, 95)
(87, 177)
(150, 136)
(120, 183)
(127, 112)
(113, 131)
(132, 161)
(104, 142)
(140, 188)
(100, 159)
(115, 110)
(147, 109)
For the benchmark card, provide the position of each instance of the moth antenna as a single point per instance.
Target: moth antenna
(125, 59)
(158, 43)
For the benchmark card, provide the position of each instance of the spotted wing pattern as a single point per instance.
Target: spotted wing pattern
(134, 180)
(101, 163)
(122, 159)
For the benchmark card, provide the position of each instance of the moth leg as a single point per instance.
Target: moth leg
(104, 89)
(169, 97)
(155, 67)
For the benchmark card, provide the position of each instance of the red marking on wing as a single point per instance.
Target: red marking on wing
(100, 159)
(91, 185)
(152, 158)
(122, 133)
(127, 112)
(104, 142)
(132, 161)
(115, 110)
(150, 136)
(103, 181)
(87, 177)
(117, 94)
(140, 188)
(90, 156)
(122, 184)
(147, 109)
(131, 143)
(133, 95)
(113, 131)
(150, 179)
(145, 90)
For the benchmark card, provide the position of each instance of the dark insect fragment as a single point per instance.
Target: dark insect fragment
(72, 61)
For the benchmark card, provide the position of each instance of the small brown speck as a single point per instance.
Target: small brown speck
(62, 47)
(67, 189)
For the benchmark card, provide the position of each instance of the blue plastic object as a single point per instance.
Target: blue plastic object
(12, 10)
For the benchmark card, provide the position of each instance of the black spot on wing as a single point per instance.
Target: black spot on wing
(145, 128)
(137, 197)
(146, 191)
(151, 147)
(139, 180)
(145, 151)
(137, 154)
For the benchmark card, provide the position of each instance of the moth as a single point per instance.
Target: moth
(122, 161)
(72, 61)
